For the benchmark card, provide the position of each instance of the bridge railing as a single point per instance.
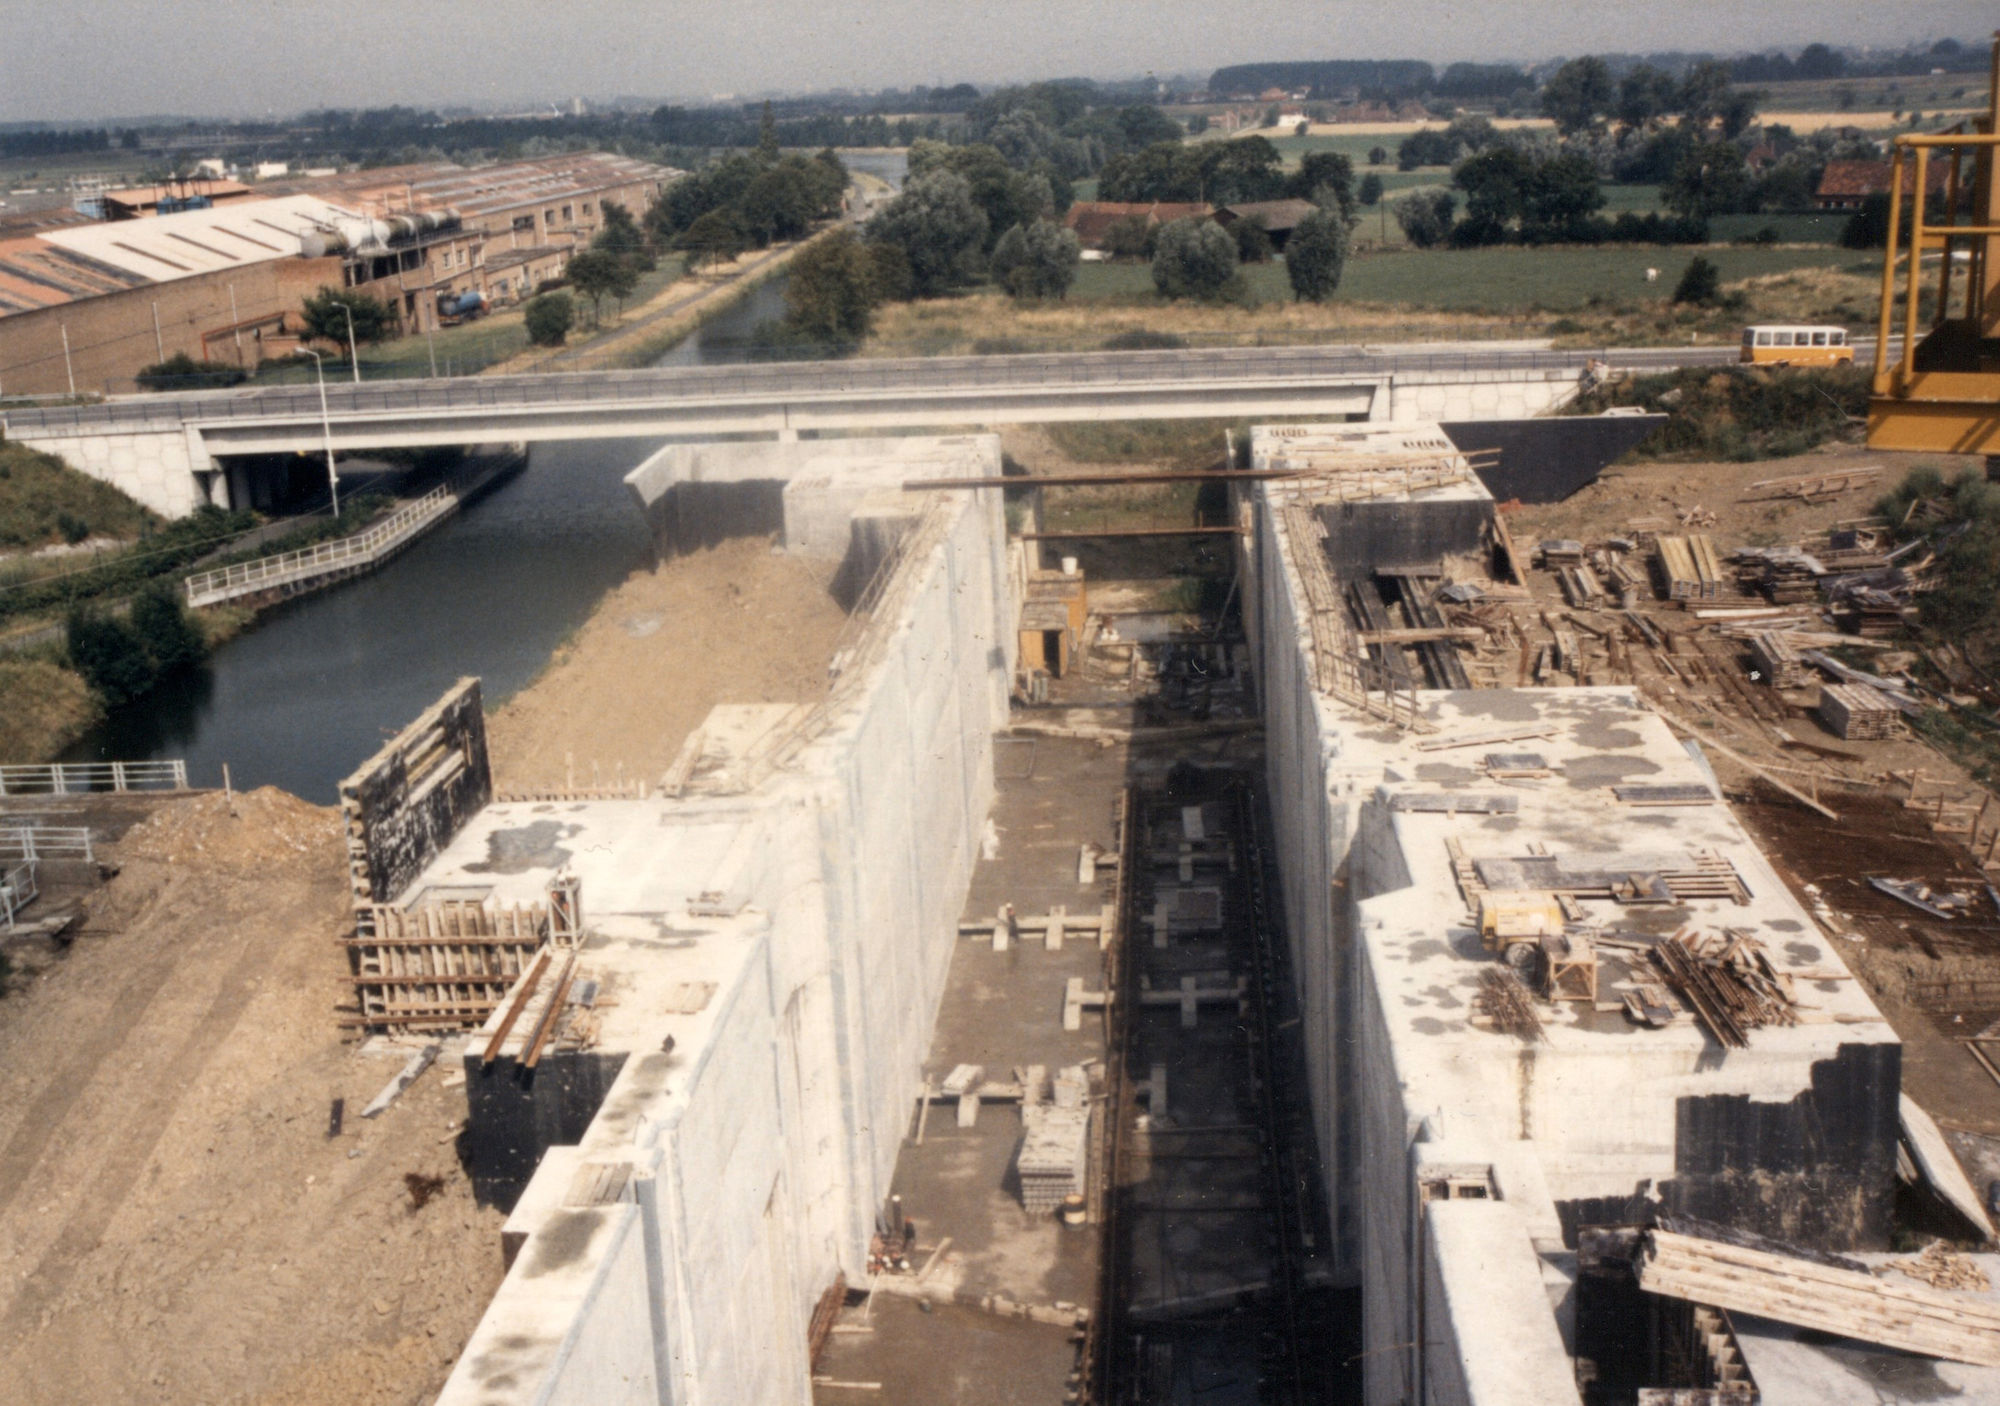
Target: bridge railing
(1025, 371)
(265, 573)
(78, 778)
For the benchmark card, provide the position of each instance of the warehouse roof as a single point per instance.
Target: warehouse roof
(194, 242)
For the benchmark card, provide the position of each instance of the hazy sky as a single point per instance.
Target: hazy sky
(112, 58)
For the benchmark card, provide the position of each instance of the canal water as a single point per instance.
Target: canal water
(315, 686)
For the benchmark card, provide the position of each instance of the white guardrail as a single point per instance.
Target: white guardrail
(78, 778)
(30, 844)
(17, 890)
(328, 558)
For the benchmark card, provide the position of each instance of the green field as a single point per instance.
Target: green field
(1495, 280)
(471, 346)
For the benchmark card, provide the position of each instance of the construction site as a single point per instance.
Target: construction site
(1439, 928)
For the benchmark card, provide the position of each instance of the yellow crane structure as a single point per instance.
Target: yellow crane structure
(1941, 393)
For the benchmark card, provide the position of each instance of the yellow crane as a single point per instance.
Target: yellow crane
(1941, 393)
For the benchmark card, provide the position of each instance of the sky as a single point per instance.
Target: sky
(122, 58)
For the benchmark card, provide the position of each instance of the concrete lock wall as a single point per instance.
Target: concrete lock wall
(757, 1181)
(1475, 395)
(403, 805)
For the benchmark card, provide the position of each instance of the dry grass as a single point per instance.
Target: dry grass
(43, 708)
(991, 322)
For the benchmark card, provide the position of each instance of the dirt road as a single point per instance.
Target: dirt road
(175, 1223)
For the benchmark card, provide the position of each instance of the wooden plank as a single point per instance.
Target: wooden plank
(1940, 1166)
(534, 977)
(1806, 1294)
(412, 1070)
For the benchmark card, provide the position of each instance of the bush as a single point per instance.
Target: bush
(181, 372)
(110, 655)
(1701, 283)
(1316, 256)
(1739, 413)
(1196, 258)
(549, 318)
(1037, 260)
(160, 621)
(1425, 216)
(1144, 339)
(1370, 191)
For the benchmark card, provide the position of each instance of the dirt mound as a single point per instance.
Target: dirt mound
(250, 831)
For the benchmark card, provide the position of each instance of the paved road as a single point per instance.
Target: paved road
(874, 379)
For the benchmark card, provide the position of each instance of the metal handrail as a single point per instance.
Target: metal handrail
(67, 778)
(400, 525)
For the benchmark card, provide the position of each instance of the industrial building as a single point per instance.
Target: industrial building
(218, 270)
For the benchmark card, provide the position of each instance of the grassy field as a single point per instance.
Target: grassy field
(1507, 279)
(1961, 91)
(471, 346)
(43, 502)
(1582, 297)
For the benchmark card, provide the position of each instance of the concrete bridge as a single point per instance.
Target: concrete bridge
(173, 452)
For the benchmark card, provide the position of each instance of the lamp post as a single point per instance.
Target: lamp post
(326, 429)
(353, 356)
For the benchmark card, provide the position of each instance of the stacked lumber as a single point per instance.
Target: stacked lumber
(1728, 981)
(1808, 1294)
(1855, 711)
(1780, 662)
(1789, 577)
(1689, 566)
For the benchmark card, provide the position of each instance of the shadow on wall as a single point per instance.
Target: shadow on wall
(692, 516)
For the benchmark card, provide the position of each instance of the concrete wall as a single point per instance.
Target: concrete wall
(762, 1150)
(164, 468)
(1474, 395)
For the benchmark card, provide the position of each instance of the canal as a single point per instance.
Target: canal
(315, 686)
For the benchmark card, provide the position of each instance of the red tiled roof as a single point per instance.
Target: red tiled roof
(1092, 219)
(1852, 179)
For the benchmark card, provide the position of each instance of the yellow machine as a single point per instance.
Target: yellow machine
(1795, 344)
(1941, 392)
(1508, 916)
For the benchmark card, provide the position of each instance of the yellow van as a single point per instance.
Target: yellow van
(1796, 345)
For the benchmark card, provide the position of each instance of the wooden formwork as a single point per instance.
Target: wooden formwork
(445, 964)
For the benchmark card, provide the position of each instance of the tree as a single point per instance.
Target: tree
(1561, 194)
(110, 656)
(1195, 258)
(1704, 92)
(1197, 124)
(326, 314)
(1037, 260)
(714, 238)
(1701, 283)
(622, 238)
(159, 620)
(1644, 94)
(1494, 182)
(1709, 180)
(1425, 216)
(1370, 192)
(1378, 155)
(599, 276)
(767, 134)
(1577, 93)
(939, 228)
(832, 292)
(1315, 256)
(1128, 238)
(549, 318)
(1326, 178)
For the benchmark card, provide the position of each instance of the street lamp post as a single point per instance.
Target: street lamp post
(353, 356)
(326, 429)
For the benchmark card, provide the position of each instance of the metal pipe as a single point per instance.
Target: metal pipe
(1886, 311)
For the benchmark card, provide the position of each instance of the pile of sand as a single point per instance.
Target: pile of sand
(250, 831)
